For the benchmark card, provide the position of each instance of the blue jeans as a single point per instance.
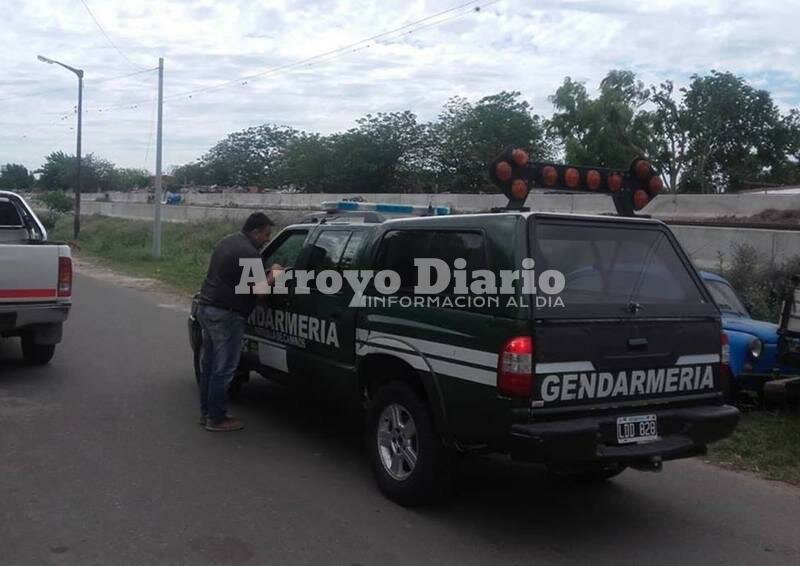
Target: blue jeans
(222, 347)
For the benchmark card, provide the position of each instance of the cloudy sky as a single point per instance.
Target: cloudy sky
(212, 51)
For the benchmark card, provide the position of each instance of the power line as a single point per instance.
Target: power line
(114, 45)
(86, 83)
(325, 56)
(326, 53)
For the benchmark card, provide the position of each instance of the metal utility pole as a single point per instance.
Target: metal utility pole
(79, 73)
(157, 192)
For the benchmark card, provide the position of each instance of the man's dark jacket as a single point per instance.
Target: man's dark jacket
(224, 273)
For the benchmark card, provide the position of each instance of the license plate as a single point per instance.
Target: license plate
(640, 428)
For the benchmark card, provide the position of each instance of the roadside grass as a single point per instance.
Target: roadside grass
(126, 245)
(765, 443)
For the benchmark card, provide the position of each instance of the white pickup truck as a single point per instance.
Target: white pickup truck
(35, 281)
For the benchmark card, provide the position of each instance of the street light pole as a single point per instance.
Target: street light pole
(79, 73)
(157, 188)
(77, 223)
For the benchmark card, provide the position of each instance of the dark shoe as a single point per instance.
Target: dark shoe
(225, 425)
(203, 419)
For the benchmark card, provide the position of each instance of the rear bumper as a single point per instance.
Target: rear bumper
(22, 315)
(683, 432)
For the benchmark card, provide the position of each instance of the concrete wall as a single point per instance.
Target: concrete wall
(710, 245)
(706, 245)
(665, 207)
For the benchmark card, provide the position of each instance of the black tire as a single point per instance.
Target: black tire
(588, 474)
(430, 479)
(36, 354)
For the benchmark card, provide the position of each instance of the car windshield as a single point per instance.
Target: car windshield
(726, 297)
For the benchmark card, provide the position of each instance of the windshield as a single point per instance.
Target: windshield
(615, 270)
(726, 297)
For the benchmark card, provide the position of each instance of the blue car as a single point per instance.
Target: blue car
(753, 343)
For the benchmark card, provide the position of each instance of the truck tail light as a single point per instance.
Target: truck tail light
(64, 277)
(515, 367)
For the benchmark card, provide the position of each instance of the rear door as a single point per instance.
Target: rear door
(634, 323)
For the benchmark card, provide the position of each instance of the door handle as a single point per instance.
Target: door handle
(636, 344)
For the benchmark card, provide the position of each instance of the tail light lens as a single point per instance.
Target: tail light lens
(515, 367)
(64, 277)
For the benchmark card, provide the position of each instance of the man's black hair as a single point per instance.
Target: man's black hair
(256, 221)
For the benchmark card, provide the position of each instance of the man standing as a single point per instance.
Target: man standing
(222, 314)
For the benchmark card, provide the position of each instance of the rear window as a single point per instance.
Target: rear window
(9, 215)
(616, 270)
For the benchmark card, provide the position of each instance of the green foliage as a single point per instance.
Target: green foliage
(385, 152)
(470, 136)
(735, 133)
(760, 283)
(127, 245)
(58, 202)
(97, 175)
(58, 172)
(15, 176)
(380, 155)
(609, 130)
(126, 179)
(717, 135)
(765, 443)
(247, 157)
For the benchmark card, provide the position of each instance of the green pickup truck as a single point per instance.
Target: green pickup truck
(625, 370)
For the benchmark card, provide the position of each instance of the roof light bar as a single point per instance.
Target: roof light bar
(385, 208)
(631, 190)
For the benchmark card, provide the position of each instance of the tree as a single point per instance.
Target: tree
(670, 138)
(126, 179)
(608, 131)
(382, 154)
(304, 163)
(15, 176)
(736, 134)
(247, 157)
(57, 172)
(194, 173)
(470, 136)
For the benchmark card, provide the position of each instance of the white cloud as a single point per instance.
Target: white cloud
(511, 45)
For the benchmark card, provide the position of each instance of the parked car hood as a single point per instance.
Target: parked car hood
(766, 331)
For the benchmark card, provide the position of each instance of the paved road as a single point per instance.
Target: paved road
(102, 462)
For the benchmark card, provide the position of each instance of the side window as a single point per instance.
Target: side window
(399, 248)
(287, 250)
(328, 249)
